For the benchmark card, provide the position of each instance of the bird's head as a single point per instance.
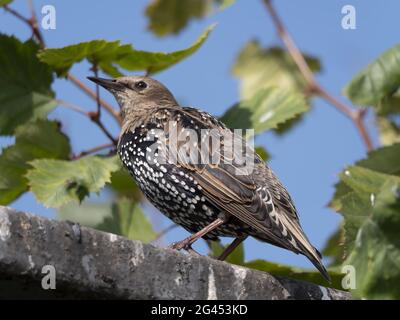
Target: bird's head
(136, 94)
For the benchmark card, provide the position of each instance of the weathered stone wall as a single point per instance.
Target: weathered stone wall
(94, 264)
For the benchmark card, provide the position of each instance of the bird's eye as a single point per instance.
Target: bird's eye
(141, 85)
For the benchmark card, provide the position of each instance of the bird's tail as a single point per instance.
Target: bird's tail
(306, 248)
(315, 258)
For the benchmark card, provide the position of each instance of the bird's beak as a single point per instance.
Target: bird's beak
(109, 84)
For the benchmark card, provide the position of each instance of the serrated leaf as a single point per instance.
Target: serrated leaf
(260, 68)
(236, 257)
(364, 180)
(153, 62)
(34, 140)
(57, 182)
(384, 160)
(266, 110)
(376, 253)
(295, 273)
(98, 52)
(378, 80)
(359, 185)
(171, 16)
(128, 220)
(370, 204)
(167, 17)
(108, 56)
(25, 84)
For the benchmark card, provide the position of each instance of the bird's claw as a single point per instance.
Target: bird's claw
(185, 246)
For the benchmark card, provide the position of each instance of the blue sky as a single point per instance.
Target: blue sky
(308, 159)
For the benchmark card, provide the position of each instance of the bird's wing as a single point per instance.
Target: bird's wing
(239, 183)
(237, 189)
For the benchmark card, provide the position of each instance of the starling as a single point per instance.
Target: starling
(208, 198)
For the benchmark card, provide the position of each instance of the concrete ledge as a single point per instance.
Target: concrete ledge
(95, 264)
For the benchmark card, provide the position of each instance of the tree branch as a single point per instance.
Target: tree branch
(93, 150)
(32, 23)
(93, 116)
(72, 107)
(356, 116)
(17, 15)
(93, 95)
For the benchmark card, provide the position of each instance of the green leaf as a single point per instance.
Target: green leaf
(157, 61)
(364, 181)
(384, 160)
(5, 2)
(223, 4)
(34, 140)
(57, 182)
(260, 68)
(167, 17)
(109, 55)
(88, 214)
(295, 273)
(171, 16)
(356, 203)
(97, 52)
(123, 184)
(378, 80)
(236, 257)
(389, 131)
(376, 253)
(128, 220)
(25, 84)
(370, 204)
(334, 247)
(266, 110)
(390, 104)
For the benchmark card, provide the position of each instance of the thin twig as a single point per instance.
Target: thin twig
(93, 150)
(73, 107)
(356, 116)
(17, 14)
(96, 74)
(93, 116)
(93, 95)
(34, 25)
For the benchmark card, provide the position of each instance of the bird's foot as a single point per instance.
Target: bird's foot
(179, 245)
(185, 246)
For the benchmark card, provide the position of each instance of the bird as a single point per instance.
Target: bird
(210, 199)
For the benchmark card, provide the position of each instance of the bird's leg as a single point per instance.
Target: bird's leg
(231, 247)
(186, 243)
